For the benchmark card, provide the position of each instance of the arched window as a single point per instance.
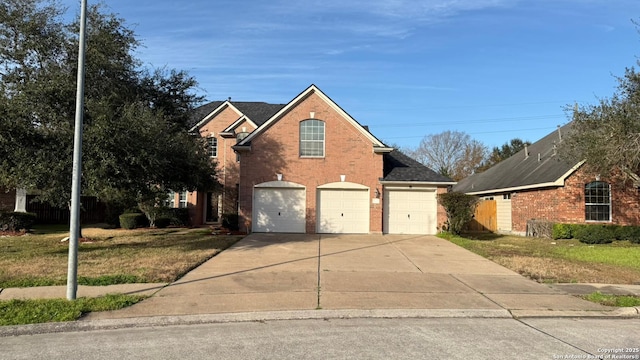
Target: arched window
(597, 201)
(312, 138)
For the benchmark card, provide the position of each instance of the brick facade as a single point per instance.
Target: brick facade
(226, 200)
(276, 151)
(567, 204)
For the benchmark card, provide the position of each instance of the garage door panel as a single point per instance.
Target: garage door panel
(279, 210)
(343, 211)
(410, 212)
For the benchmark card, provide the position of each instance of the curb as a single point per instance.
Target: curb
(158, 321)
(111, 324)
(626, 312)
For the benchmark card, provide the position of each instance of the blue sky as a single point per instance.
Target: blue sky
(495, 69)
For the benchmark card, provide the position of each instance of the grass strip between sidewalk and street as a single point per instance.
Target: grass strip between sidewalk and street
(33, 311)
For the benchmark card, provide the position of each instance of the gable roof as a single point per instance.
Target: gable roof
(400, 167)
(255, 112)
(536, 166)
(377, 144)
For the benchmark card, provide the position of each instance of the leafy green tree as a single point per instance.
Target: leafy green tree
(607, 134)
(460, 208)
(135, 139)
(503, 152)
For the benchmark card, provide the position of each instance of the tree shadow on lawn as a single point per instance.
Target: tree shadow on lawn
(481, 236)
(205, 242)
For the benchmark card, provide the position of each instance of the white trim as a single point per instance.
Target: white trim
(298, 99)
(233, 126)
(416, 183)
(215, 112)
(343, 185)
(559, 182)
(279, 184)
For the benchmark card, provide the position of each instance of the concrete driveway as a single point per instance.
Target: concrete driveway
(265, 272)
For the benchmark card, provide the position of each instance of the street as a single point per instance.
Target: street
(403, 338)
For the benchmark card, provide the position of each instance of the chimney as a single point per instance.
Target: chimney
(526, 151)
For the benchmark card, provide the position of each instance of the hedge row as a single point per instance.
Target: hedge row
(170, 216)
(16, 221)
(596, 233)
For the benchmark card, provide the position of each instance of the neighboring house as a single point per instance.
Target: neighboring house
(309, 167)
(535, 184)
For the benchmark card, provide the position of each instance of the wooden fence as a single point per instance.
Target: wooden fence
(92, 211)
(485, 218)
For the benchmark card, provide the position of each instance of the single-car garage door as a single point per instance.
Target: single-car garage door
(278, 209)
(410, 211)
(343, 211)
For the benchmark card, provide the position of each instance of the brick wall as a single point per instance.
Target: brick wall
(228, 167)
(276, 151)
(566, 204)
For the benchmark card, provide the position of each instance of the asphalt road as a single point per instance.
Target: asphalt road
(444, 338)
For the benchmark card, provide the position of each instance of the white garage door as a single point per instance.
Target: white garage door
(342, 211)
(410, 212)
(503, 212)
(279, 210)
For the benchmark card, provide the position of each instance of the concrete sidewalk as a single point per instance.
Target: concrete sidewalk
(296, 272)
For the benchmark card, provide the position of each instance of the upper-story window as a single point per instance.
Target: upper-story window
(312, 138)
(213, 146)
(597, 201)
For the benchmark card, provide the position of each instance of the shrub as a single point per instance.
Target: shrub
(631, 233)
(162, 222)
(595, 234)
(16, 221)
(231, 221)
(562, 231)
(132, 220)
(179, 216)
(460, 209)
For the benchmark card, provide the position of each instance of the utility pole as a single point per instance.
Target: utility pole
(74, 224)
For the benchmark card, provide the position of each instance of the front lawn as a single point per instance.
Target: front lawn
(563, 261)
(107, 256)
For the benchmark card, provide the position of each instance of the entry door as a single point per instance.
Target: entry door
(342, 211)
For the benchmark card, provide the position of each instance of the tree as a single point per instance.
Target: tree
(503, 152)
(451, 153)
(135, 130)
(460, 208)
(607, 135)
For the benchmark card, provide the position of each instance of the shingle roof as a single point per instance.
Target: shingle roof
(399, 167)
(258, 112)
(541, 166)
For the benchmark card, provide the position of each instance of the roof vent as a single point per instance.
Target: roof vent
(559, 133)
(539, 158)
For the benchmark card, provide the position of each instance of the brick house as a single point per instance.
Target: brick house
(309, 167)
(535, 184)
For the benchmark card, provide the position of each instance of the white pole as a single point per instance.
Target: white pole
(74, 226)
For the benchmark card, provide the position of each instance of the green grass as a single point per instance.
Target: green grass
(21, 312)
(106, 256)
(613, 300)
(547, 260)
